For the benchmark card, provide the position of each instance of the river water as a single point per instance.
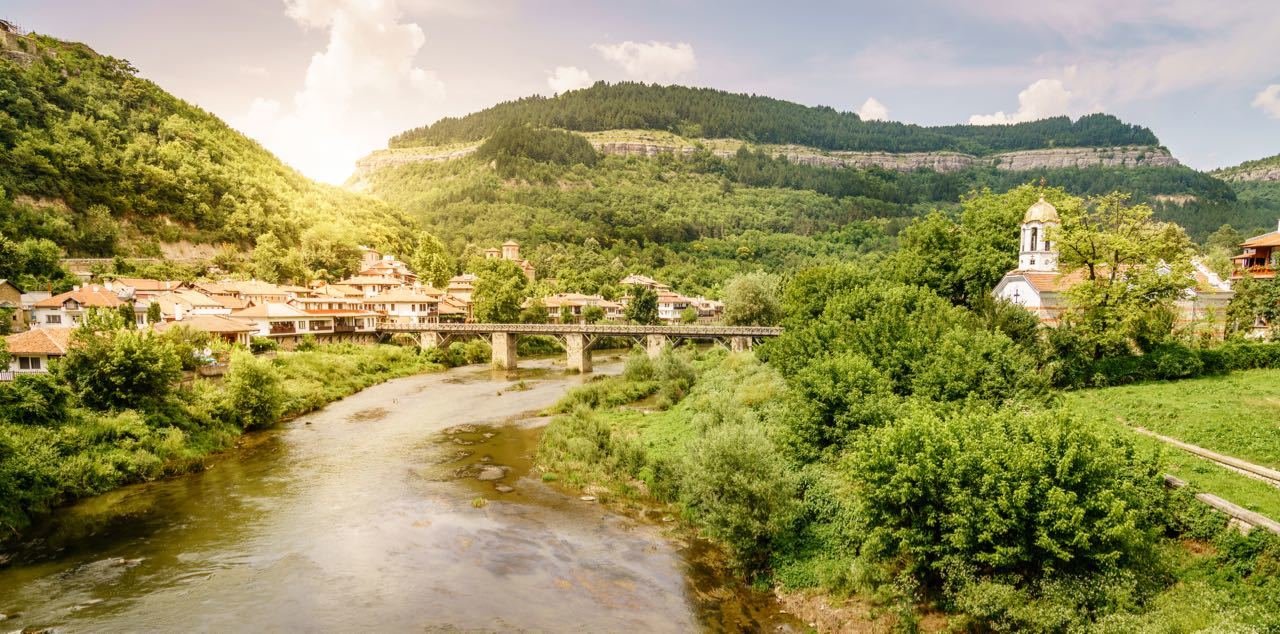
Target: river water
(405, 507)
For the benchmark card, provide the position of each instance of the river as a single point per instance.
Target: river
(407, 506)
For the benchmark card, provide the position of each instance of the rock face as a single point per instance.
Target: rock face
(1265, 173)
(1053, 158)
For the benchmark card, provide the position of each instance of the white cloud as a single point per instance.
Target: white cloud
(362, 88)
(873, 110)
(1268, 101)
(566, 78)
(1044, 98)
(659, 62)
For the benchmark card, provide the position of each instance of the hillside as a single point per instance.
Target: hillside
(103, 162)
(1263, 169)
(711, 114)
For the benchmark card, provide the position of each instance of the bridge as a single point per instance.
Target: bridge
(578, 338)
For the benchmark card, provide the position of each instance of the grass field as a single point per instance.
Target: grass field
(1236, 414)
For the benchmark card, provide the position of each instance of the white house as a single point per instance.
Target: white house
(66, 309)
(407, 305)
(32, 350)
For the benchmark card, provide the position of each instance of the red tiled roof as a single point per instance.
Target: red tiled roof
(46, 341)
(94, 296)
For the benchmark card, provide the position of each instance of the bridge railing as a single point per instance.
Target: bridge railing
(589, 329)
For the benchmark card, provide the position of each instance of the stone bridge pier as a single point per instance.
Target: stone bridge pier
(741, 344)
(504, 350)
(653, 344)
(578, 348)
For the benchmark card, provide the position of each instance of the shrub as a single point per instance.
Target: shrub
(254, 395)
(307, 343)
(638, 367)
(121, 368)
(735, 483)
(1004, 495)
(34, 399)
(833, 397)
(259, 345)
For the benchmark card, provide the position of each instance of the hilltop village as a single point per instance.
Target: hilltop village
(385, 291)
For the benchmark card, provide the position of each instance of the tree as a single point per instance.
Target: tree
(98, 232)
(127, 315)
(689, 315)
(499, 291)
(566, 315)
(254, 392)
(752, 300)
(153, 313)
(120, 369)
(643, 307)
(268, 258)
(1132, 267)
(431, 261)
(329, 251)
(1226, 238)
(592, 314)
(535, 312)
(4, 345)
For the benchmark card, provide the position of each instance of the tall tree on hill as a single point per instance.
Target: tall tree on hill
(753, 300)
(643, 307)
(431, 261)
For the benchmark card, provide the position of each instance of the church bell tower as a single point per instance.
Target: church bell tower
(1037, 252)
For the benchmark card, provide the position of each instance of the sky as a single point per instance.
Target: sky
(323, 82)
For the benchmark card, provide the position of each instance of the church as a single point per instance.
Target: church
(1038, 286)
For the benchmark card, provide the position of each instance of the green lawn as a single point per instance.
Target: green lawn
(1237, 414)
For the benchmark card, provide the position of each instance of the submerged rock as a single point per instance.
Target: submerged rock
(491, 473)
(502, 488)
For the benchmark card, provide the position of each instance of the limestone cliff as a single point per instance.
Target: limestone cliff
(1267, 169)
(1132, 156)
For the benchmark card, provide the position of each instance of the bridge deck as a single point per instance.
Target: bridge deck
(622, 330)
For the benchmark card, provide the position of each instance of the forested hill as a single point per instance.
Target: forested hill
(1263, 169)
(104, 162)
(709, 113)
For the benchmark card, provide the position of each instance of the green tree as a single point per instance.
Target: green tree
(153, 313)
(268, 258)
(593, 314)
(752, 300)
(120, 368)
(499, 291)
(254, 394)
(643, 307)
(98, 232)
(689, 315)
(329, 251)
(535, 312)
(127, 316)
(1133, 268)
(431, 261)
(566, 315)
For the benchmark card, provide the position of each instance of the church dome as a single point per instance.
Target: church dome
(1042, 211)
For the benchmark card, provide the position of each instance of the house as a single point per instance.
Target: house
(407, 305)
(284, 323)
(708, 309)
(67, 309)
(11, 302)
(31, 351)
(453, 309)
(648, 282)
(369, 285)
(671, 306)
(389, 266)
(1038, 286)
(577, 303)
(231, 330)
(256, 292)
(140, 288)
(1259, 257)
(175, 305)
(462, 286)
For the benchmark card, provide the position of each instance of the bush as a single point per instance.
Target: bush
(121, 369)
(307, 343)
(259, 345)
(833, 397)
(34, 399)
(254, 395)
(1165, 362)
(1006, 496)
(735, 483)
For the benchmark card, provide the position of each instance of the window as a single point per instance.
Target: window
(1034, 237)
(53, 319)
(28, 363)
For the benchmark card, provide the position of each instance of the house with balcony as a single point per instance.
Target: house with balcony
(671, 306)
(576, 304)
(284, 323)
(389, 266)
(175, 305)
(31, 351)
(140, 288)
(67, 309)
(407, 305)
(1259, 257)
